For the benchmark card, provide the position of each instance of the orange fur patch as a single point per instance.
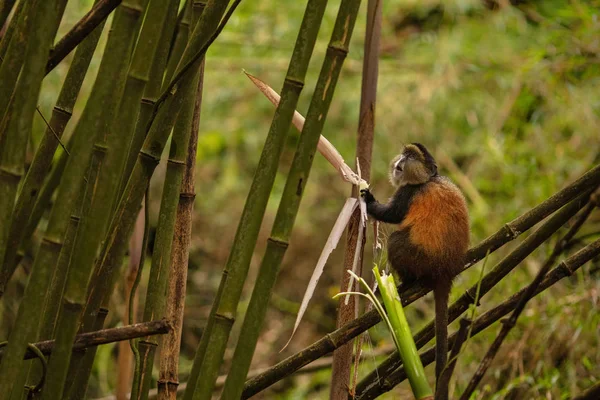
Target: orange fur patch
(438, 219)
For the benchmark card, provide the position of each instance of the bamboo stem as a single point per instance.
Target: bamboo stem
(7, 29)
(18, 121)
(61, 114)
(126, 211)
(507, 233)
(169, 357)
(347, 310)
(287, 211)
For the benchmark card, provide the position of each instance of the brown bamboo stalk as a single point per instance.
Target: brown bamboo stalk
(168, 381)
(342, 357)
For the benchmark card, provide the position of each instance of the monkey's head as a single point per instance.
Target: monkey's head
(414, 166)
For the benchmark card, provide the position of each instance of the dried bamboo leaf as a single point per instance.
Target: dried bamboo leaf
(325, 147)
(332, 241)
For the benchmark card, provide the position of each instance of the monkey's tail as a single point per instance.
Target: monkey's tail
(441, 293)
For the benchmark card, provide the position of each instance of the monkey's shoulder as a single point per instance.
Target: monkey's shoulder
(438, 197)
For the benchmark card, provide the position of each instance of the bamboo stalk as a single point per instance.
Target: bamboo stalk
(94, 226)
(342, 357)
(126, 212)
(84, 27)
(288, 207)
(14, 56)
(19, 121)
(256, 202)
(183, 33)
(151, 94)
(507, 233)
(61, 114)
(169, 357)
(159, 272)
(7, 29)
(564, 269)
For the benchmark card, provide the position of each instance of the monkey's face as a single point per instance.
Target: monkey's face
(414, 166)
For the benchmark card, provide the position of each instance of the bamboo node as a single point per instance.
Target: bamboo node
(72, 306)
(50, 242)
(566, 268)
(175, 162)
(512, 232)
(133, 10)
(297, 83)
(11, 174)
(338, 49)
(149, 156)
(226, 317)
(63, 111)
(278, 242)
(148, 101)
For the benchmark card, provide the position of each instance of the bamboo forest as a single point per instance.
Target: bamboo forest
(188, 199)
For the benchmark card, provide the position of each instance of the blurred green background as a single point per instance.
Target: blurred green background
(506, 98)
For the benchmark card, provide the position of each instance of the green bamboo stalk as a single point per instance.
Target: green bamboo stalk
(282, 227)
(403, 337)
(19, 121)
(126, 212)
(247, 232)
(61, 114)
(105, 191)
(151, 94)
(14, 55)
(57, 285)
(94, 118)
(169, 355)
(183, 33)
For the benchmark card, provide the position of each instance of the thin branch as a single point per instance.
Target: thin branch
(507, 233)
(105, 336)
(80, 31)
(527, 295)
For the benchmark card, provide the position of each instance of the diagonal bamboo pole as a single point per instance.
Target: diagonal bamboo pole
(507, 233)
(289, 204)
(84, 27)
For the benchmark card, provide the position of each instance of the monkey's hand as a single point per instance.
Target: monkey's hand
(367, 195)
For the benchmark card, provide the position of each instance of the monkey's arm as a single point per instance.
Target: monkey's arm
(390, 212)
